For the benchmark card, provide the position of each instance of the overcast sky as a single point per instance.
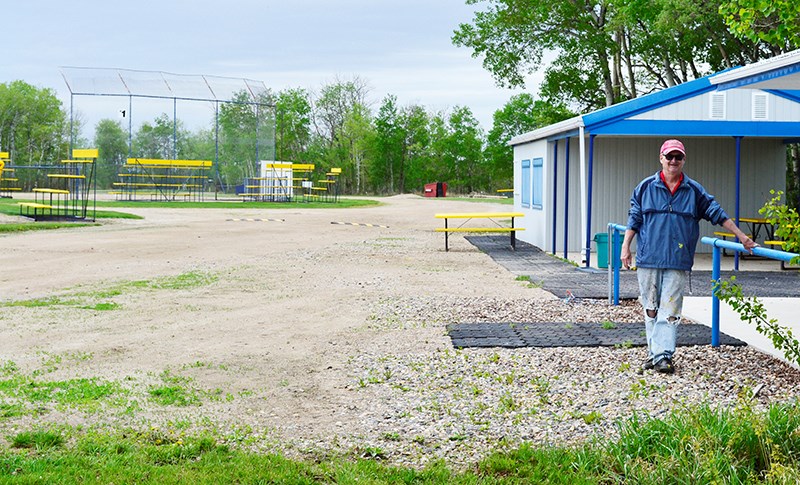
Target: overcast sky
(399, 47)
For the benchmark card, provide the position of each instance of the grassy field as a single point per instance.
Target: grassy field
(11, 207)
(697, 445)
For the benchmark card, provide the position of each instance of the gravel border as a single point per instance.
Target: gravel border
(460, 405)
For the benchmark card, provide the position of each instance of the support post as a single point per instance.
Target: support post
(717, 256)
(588, 206)
(566, 201)
(738, 194)
(555, 192)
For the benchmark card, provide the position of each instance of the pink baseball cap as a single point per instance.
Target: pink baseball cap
(672, 146)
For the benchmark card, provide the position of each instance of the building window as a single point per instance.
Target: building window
(538, 182)
(526, 183)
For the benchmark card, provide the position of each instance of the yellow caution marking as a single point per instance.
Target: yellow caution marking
(358, 224)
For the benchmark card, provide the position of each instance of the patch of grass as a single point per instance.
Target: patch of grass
(98, 300)
(176, 391)
(174, 396)
(192, 279)
(37, 439)
(697, 445)
(41, 302)
(11, 207)
(83, 394)
(342, 203)
(13, 227)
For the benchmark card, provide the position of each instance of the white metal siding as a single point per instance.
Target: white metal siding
(738, 107)
(621, 163)
(535, 220)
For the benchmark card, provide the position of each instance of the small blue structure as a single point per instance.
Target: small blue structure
(572, 177)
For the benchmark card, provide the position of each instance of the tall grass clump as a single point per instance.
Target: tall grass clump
(704, 444)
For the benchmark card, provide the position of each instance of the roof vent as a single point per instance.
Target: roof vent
(717, 106)
(760, 106)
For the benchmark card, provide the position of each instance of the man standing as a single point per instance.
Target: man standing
(665, 212)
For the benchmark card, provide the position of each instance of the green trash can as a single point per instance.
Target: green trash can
(601, 239)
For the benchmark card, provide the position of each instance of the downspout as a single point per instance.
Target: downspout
(555, 192)
(584, 205)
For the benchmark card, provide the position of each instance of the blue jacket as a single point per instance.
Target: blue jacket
(667, 225)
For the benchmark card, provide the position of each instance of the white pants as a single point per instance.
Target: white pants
(661, 293)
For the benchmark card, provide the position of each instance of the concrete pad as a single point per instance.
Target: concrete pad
(785, 310)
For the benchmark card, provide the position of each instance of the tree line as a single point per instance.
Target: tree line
(385, 149)
(594, 53)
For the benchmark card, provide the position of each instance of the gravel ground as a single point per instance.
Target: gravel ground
(461, 404)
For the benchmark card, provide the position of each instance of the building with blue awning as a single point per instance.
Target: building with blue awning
(574, 177)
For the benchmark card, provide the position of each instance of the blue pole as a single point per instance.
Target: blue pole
(566, 202)
(715, 277)
(589, 202)
(738, 195)
(555, 192)
(715, 298)
(615, 254)
(616, 262)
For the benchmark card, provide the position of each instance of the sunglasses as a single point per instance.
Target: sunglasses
(677, 156)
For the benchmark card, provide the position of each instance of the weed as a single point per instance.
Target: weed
(9, 367)
(608, 325)
(174, 396)
(372, 453)
(507, 403)
(391, 436)
(592, 417)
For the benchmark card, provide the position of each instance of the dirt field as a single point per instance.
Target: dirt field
(291, 304)
(292, 323)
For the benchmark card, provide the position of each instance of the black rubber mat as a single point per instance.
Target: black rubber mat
(562, 334)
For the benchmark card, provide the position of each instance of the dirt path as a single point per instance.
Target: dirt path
(292, 302)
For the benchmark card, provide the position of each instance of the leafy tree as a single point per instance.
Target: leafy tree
(33, 125)
(161, 139)
(247, 135)
(388, 145)
(774, 22)
(415, 170)
(111, 140)
(519, 115)
(338, 104)
(402, 146)
(463, 152)
(354, 140)
(198, 145)
(293, 108)
(622, 49)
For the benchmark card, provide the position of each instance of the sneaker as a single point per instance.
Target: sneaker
(648, 364)
(664, 366)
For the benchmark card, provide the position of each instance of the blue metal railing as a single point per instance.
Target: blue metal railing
(613, 261)
(718, 245)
